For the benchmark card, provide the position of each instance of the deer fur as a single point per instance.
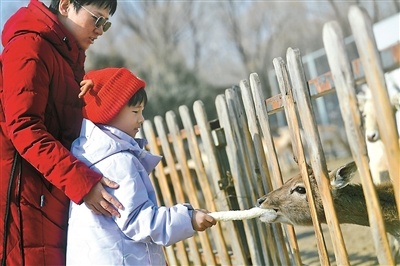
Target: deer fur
(376, 149)
(291, 205)
(378, 162)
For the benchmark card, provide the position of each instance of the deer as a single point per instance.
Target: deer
(291, 205)
(378, 162)
(376, 149)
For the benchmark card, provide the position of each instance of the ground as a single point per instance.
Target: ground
(358, 241)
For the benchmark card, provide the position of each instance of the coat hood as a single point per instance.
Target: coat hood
(97, 142)
(37, 19)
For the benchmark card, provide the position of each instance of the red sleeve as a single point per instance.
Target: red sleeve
(26, 80)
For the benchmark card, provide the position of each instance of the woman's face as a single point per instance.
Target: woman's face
(82, 23)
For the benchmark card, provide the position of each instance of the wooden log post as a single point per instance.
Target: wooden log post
(271, 156)
(294, 127)
(188, 180)
(363, 35)
(239, 251)
(166, 195)
(241, 180)
(178, 189)
(274, 244)
(205, 186)
(317, 157)
(248, 161)
(343, 77)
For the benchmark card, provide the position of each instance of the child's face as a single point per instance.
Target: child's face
(129, 119)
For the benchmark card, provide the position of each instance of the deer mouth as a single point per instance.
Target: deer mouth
(270, 216)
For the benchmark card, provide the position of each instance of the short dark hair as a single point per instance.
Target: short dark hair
(110, 4)
(139, 97)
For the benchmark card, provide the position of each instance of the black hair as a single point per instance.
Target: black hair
(139, 97)
(109, 4)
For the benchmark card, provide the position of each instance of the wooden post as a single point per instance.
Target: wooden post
(294, 127)
(178, 189)
(240, 180)
(263, 120)
(188, 181)
(166, 196)
(261, 162)
(317, 157)
(238, 249)
(363, 35)
(345, 88)
(195, 154)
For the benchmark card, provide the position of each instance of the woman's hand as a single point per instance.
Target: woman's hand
(99, 201)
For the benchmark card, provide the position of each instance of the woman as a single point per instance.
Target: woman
(40, 115)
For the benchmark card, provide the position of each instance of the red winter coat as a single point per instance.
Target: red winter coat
(40, 115)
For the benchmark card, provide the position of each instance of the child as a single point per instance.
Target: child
(113, 115)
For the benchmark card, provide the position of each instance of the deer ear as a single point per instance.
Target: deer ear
(363, 95)
(361, 99)
(395, 100)
(341, 176)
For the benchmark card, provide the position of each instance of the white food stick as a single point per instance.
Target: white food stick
(238, 215)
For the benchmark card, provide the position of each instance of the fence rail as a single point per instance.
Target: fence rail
(324, 84)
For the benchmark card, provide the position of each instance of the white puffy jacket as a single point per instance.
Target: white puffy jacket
(138, 236)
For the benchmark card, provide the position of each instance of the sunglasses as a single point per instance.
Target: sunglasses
(100, 21)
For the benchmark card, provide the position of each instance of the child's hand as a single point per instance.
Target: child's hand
(201, 220)
(86, 85)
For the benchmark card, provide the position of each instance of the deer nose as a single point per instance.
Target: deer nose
(260, 201)
(372, 136)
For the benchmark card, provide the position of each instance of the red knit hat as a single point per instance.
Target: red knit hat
(112, 89)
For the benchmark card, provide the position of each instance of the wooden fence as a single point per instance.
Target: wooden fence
(230, 162)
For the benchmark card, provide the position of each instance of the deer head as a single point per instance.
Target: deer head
(291, 205)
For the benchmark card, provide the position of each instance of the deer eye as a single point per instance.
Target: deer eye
(300, 190)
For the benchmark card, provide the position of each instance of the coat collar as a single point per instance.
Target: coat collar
(97, 142)
(38, 19)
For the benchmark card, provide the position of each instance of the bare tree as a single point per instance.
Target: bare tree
(182, 46)
(261, 31)
(167, 46)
